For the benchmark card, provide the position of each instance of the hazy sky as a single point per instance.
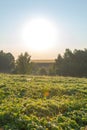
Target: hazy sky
(69, 17)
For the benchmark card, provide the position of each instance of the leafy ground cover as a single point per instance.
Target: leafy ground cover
(42, 103)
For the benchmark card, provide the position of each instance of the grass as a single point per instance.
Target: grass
(42, 103)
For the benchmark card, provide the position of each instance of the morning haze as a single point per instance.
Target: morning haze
(43, 64)
(42, 28)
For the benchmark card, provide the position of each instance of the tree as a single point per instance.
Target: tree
(58, 65)
(72, 63)
(42, 71)
(7, 62)
(23, 63)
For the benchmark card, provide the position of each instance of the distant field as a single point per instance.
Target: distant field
(42, 103)
(43, 61)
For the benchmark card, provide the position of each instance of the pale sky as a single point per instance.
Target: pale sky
(68, 16)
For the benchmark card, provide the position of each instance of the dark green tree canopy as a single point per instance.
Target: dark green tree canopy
(72, 63)
(7, 62)
(23, 63)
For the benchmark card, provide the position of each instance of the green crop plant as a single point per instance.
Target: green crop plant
(42, 102)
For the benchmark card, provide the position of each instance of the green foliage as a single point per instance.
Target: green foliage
(23, 63)
(7, 63)
(42, 71)
(43, 68)
(42, 103)
(72, 63)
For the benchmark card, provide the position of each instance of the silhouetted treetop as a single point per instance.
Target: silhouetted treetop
(72, 63)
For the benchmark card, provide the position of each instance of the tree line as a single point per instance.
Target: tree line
(71, 63)
(8, 64)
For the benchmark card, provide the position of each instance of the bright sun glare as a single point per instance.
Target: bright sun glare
(39, 34)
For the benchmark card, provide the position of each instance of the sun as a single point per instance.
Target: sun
(39, 34)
